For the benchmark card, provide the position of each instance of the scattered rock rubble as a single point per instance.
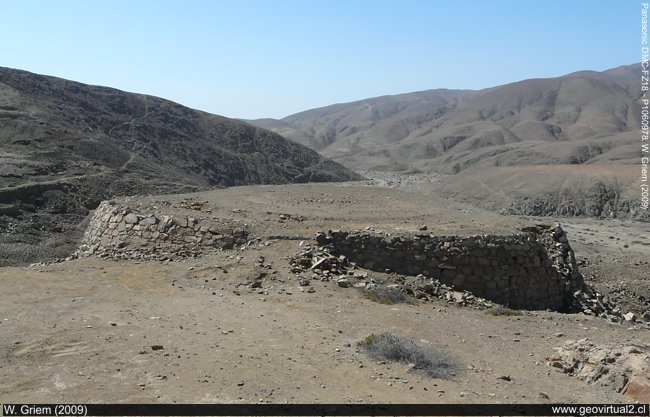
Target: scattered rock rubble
(318, 263)
(321, 263)
(619, 294)
(623, 368)
(591, 302)
(190, 204)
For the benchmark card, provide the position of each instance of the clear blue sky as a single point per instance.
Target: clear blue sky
(272, 58)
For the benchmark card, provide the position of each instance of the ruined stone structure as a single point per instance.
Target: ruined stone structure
(120, 232)
(535, 269)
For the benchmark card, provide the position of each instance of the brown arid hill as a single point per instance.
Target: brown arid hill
(450, 130)
(586, 118)
(66, 146)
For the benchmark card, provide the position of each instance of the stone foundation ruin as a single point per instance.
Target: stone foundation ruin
(535, 269)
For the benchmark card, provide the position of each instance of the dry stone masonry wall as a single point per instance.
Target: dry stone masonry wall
(120, 232)
(535, 269)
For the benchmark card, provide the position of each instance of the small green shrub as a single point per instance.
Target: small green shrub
(393, 348)
(503, 311)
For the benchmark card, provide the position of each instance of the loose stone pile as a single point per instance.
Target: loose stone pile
(318, 263)
(625, 369)
(422, 287)
(591, 302)
(323, 265)
(619, 294)
(122, 233)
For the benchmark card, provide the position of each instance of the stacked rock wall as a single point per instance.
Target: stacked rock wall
(120, 232)
(535, 269)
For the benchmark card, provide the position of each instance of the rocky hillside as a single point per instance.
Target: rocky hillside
(586, 119)
(598, 191)
(65, 146)
(354, 129)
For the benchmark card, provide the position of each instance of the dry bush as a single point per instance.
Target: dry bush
(388, 295)
(427, 360)
(503, 311)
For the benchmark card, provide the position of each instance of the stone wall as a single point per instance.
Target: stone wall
(121, 232)
(535, 269)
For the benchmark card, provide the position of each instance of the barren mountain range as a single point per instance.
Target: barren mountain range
(65, 146)
(553, 147)
(496, 142)
(246, 295)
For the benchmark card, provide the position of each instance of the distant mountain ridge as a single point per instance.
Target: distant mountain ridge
(65, 146)
(557, 146)
(569, 119)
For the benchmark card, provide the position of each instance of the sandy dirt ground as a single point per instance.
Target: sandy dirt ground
(97, 330)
